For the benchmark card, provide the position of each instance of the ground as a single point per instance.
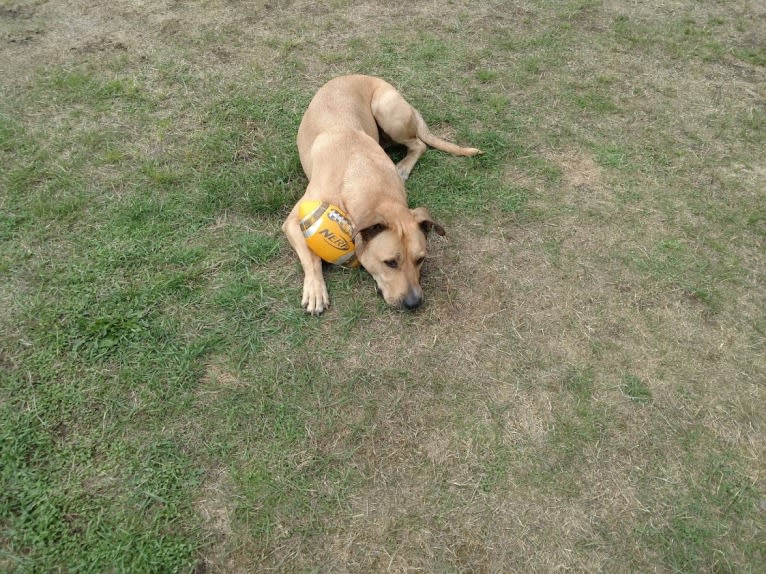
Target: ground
(580, 391)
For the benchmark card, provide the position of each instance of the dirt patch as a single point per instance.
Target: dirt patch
(217, 378)
(215, 508)
(578, 169)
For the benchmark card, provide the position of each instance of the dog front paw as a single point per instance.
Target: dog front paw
(315, 297)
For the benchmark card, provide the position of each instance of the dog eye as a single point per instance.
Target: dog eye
(419, 261)
(391, 263)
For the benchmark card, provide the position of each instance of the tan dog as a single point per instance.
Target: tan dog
(340, 151)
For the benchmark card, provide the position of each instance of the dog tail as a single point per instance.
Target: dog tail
(425, 135)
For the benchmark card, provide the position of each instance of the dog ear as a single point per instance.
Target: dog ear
(368, 227)
(426, 222)
(371, 231)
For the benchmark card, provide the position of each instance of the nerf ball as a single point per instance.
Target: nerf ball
(327, 231)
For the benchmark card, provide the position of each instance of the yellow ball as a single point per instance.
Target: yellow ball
(327, 231)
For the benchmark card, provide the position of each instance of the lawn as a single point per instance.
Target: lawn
(582, 390)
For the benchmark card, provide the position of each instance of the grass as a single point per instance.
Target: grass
(581, 389)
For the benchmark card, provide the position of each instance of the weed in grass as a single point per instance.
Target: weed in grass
(486, 76)
(161, 176)
(579, 382)
(633, 387)
(593, 99)
(755, 56)
(614, 157)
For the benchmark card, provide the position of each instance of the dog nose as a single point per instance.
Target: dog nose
(413, 300)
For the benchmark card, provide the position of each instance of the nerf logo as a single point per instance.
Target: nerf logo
(334, 240)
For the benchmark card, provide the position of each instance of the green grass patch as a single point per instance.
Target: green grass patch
(89, 89)
(634, 388)
(696, 532)
(676, 265)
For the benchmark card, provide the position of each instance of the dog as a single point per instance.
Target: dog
(339, 144)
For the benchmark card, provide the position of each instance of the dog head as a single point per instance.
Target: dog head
(392, 249)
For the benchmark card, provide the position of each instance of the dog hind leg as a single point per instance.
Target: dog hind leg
(398, 120)
(404, 125)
